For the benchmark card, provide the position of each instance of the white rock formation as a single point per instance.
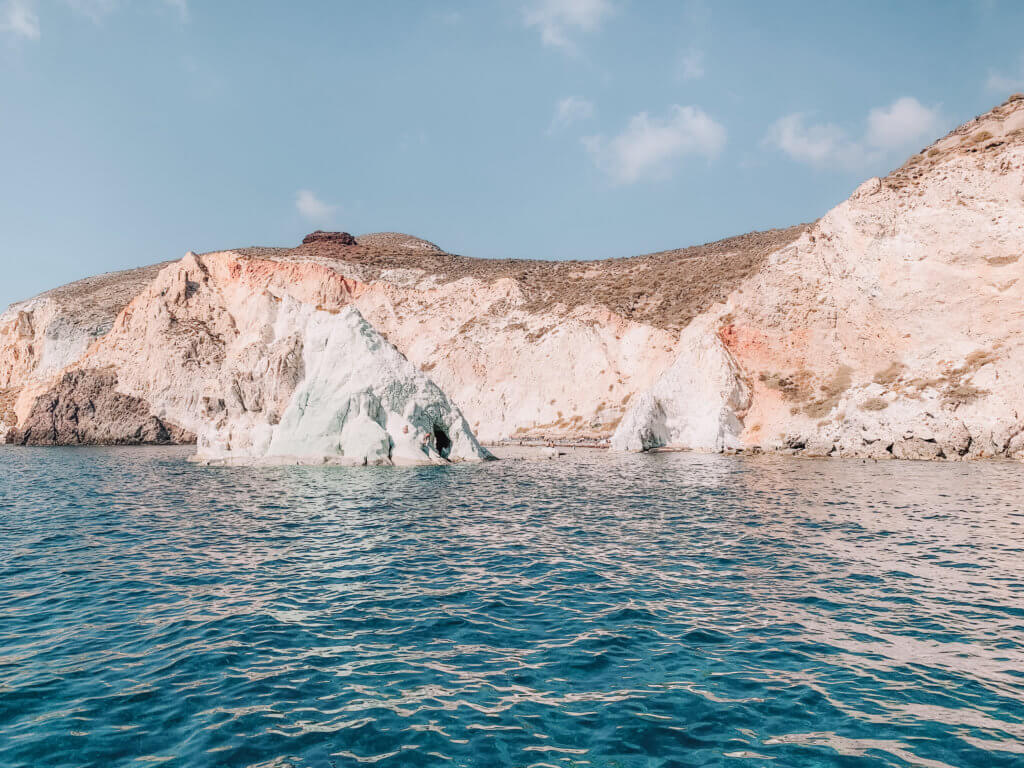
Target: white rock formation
(696, 404)
(517, 371)
(526, 349)
(357, 401)
(258, 370)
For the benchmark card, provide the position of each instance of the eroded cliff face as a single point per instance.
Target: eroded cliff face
(697, 403)
(892, 328)
(40, 337)
(527, 349)
(889, 328)
(553, 373)
(260, 361)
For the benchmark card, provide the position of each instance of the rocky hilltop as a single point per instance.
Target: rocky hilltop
(888, 328)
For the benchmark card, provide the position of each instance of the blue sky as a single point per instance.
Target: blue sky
(134, 130)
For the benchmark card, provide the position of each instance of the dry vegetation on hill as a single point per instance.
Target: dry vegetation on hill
(665, 289)
(95, 301)
(971, 138)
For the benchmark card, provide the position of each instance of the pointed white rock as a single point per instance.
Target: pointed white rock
(696, 404)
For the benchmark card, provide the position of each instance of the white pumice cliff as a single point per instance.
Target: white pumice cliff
(696, 403)
(339, 393)
(889, 328)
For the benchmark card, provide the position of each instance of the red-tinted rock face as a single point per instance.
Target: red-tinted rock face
(339, 238)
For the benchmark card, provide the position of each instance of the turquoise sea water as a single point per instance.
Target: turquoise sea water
(595, 610)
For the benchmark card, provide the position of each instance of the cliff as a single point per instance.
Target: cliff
(888, 328)
(256, 361)
(549, 350)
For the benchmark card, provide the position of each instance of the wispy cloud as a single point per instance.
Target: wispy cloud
(19, 18)
(559, 20)
(570, 110)
(651, 147)
(819, 144)
(895, 128)
(691, 65)
(1007, 83)
(313, 209)
(902, 124)
(696, 30)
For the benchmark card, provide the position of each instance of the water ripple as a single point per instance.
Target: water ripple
(675, 610)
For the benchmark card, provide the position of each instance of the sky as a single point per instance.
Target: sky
(132, 131)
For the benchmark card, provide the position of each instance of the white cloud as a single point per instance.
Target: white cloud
(903, 123)
(312, 208)
(889, 130)
(97, 10)
(558, 19)
(649, 147)
(19, 18)
(997, 81)
(570, 110)
(691, 65)
(819, 144)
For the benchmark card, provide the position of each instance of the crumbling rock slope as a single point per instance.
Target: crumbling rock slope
(85, 408)
(528, 348)
(40, 337)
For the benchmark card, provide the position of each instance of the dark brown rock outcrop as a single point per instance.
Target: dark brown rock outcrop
(338, 238)
(84, 408)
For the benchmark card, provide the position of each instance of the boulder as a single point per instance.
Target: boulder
(817, 446)
(916, 448)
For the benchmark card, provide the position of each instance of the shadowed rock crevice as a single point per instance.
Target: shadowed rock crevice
(85, 409)
(442, 441)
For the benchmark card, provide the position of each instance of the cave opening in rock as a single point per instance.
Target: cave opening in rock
(442, 441)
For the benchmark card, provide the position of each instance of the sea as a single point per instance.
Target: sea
(592, 609)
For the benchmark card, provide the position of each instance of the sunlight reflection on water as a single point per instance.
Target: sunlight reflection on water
(677, 609)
